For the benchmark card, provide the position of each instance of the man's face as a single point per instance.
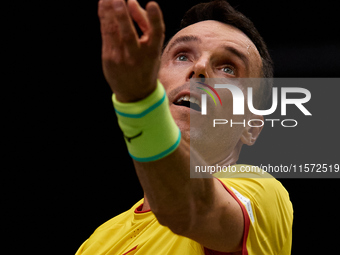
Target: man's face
(208, 49)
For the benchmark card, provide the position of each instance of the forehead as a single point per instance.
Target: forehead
(215, 30)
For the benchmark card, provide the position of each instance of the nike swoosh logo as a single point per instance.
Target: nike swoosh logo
(134, 248)
(133, 137)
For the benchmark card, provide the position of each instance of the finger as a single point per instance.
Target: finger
(127, 31)
(139, 15)
(157, 27)
(108, 25)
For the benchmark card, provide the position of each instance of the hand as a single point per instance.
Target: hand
(131, 64)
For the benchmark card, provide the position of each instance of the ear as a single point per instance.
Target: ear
(252, 131)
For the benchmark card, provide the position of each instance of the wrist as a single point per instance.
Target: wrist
(149, 130)
(134, 97)
(138, 107)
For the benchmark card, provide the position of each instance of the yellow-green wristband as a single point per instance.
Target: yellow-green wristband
(149, 130)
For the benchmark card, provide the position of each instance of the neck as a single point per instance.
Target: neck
(232, 158)
(228, 161)
(146, 205)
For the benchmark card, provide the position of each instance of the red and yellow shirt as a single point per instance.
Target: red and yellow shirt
(267, 210)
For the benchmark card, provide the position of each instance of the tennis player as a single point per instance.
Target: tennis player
(153, 103)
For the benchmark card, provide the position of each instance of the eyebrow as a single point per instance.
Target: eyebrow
(184, 38)
(238, 53)
(193, 38)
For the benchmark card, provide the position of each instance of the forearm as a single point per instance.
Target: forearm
(162, 160)
(172, 195)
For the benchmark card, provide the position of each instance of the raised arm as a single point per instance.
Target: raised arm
(200, 209)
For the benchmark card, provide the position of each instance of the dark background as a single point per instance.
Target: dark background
(68, 168)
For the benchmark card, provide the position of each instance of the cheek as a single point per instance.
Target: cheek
(231, 131)
(172, 73)
(226, 110)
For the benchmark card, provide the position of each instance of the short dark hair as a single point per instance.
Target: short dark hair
(222, 11)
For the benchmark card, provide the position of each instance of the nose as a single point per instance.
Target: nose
(200, 70)
(193, 75)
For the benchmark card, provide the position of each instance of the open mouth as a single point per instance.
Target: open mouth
(190, 102)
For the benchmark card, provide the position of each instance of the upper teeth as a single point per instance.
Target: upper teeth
(190, 99)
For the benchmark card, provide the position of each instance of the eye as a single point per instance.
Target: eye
(228, 70)
(182, 58)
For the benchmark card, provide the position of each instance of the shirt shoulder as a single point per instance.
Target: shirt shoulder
(268, 208)
(104, 233)
(120, 218)
(137, 232)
